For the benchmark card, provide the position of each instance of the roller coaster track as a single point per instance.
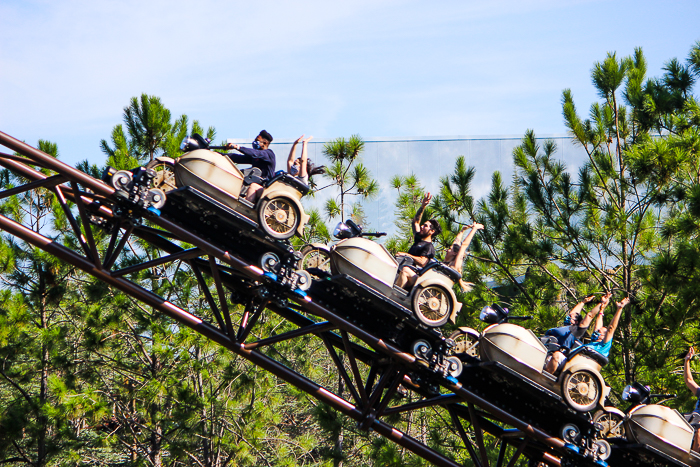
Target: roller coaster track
(354, 350)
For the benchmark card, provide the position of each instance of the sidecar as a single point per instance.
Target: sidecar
(431, 299)
(278, 212)
(662, 428)
(579, 383)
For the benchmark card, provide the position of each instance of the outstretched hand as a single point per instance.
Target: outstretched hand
(426, 199)
(621, 304)
(605, 299)
(299, 139)
(477, 226)
(690, 354)
(588, 299)
(307, 139)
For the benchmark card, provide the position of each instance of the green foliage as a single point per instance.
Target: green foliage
(349, 176)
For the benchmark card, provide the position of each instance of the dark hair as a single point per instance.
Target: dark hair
(266, 135)
(311, 169)
(436, 227)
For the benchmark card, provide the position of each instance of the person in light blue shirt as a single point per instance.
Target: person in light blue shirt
(601, 339)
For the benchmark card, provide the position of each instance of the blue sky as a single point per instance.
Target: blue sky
(328, 69)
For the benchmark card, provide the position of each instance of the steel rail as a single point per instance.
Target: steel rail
(251, 272)
(259, 359)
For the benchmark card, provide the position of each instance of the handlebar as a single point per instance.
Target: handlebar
(373, 234)
(663, 396)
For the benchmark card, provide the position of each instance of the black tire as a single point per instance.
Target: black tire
(613, 424)
(432, 305)
(279, 217)
(581, 390)
(313, 257)
(467, 344)
(165, 174)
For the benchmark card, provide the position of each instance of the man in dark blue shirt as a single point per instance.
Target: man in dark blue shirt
(259, 156)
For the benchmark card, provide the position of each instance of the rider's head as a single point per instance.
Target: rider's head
(430, 228)
(264, 139)
(599, 334)
(572, 317)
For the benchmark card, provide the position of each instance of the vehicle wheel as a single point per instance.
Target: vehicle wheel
(157, 197)
(269, 262)
(432, 305)
(279, 217)
(421, 349)
(165, 174)
(304, 281)
(466, 343)
(121, 179)
(570, 432)
(604, 449)
(581, 390)
(613, 426)
(455, 366)
(316, 258)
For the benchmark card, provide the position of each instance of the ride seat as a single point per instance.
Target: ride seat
(597, 357)
(290, 180)
(252, 175)
(452, 274)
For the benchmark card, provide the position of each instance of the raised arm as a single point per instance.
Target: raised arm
(595, 311)
(689, 381)
(616, 318)
(421, 210)
(293, 154)
(303, 169)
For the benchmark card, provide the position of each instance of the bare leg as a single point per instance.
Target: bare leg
(696, 441)
(407, 277)
(254, 191)
(553, 363)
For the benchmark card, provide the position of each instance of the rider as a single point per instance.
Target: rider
(302, 168)
(422, 249)
(573, 330)
(694, 417)
(259, 157)
(602, 337)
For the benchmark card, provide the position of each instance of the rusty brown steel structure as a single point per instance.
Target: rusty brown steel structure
(368, 401)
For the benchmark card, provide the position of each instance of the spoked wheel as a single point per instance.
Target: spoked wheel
(165, 174)
(279, 217)
(466, 343)
(612, 423)
(313, 257)
(432, 305)
(581, 390)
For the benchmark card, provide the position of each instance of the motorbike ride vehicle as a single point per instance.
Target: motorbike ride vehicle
(278, 211)
(358, 284)
(660, 427)
(206, 192)
(579, 382)
(432, 299)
